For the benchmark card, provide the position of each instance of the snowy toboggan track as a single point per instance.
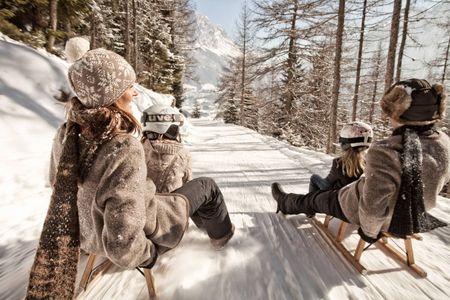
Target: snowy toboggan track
(272, 257)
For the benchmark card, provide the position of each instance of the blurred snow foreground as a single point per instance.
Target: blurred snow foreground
(270, 256)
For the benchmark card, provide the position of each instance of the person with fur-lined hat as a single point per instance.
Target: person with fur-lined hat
(102, 200)
(403, 175)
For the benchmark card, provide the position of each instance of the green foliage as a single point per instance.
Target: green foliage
(196, 113)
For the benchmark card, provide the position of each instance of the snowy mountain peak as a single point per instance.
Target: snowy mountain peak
(213, 51)
(212, 37)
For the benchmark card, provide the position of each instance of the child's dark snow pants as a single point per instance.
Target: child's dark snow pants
(317, 183)
(326, 202)
(207, 207)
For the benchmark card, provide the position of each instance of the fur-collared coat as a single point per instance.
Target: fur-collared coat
(120, 215)
(168, 164)
(370, 201)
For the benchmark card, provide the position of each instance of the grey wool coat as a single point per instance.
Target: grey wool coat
(370, 201)
(168, 164)
(120, 215)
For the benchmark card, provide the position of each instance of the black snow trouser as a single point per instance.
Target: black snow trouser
(326, 202)
(207, 207)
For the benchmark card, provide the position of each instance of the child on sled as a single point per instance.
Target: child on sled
(354, 139)
(168, 162)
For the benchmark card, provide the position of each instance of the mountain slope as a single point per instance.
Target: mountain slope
(213, 50)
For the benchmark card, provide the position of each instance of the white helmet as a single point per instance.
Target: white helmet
(355, 134)
(158, 118)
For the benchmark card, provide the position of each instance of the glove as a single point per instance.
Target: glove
(152, 260)
(368, 239)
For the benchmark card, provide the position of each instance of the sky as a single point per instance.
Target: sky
(222, 12)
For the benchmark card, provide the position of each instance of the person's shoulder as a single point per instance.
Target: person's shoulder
(388, 149)
(60, 132)
(123, 144)
(441, 135)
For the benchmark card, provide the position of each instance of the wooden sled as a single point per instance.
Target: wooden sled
(92, 274)
(383, 243)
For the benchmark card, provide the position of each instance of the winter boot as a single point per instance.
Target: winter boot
(279, 195)
(290, 203)
(218, 244)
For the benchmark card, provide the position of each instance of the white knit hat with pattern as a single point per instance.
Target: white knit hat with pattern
(100, 77)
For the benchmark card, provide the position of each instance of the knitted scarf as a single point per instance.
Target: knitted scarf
(409, 213)
(54, 270)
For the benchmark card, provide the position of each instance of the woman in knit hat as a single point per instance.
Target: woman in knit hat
(403, 175)
(102, 200)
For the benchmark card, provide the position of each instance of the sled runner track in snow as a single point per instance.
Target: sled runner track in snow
(383, 243)
(91, 275)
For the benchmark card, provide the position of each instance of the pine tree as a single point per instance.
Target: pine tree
(196, 113)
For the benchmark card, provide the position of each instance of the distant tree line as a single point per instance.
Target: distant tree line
(307, 67)
(155, 36)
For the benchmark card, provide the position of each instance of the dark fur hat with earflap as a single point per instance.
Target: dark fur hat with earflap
(415, 102)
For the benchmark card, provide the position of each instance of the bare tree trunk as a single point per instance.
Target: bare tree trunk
(53, 7)
(403, 42)
(390, 63)
(127, 31)
(93, 30)
(291, 61)
(375, 77)
(244, 52)
(337, 77)
(135, 36)
(445, 69)
(68, 26)
(358, 66)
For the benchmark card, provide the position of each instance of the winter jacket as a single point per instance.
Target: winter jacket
(337, 178)
(120, 215)
(168, 164)
(370, 201)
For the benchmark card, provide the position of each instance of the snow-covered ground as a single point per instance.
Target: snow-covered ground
(270, 257)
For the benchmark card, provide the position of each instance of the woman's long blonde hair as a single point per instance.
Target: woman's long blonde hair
(353, 161)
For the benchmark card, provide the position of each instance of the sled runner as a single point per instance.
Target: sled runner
(92, 274)
(383, 243)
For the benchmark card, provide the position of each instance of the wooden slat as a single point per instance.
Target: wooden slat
(409, 252)
(326, 223)
(359, 249)
(402, 258)
(347, 255)
(87, 271)
(341, 231)
(150, 283)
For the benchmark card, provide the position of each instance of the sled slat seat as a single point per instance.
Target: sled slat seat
(91, 274)
(383, 243)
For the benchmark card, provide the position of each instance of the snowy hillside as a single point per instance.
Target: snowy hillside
(213, 49)
(270, 257)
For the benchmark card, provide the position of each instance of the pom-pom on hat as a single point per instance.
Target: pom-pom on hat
(415, 102)
(75, 48)
(100, 77)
